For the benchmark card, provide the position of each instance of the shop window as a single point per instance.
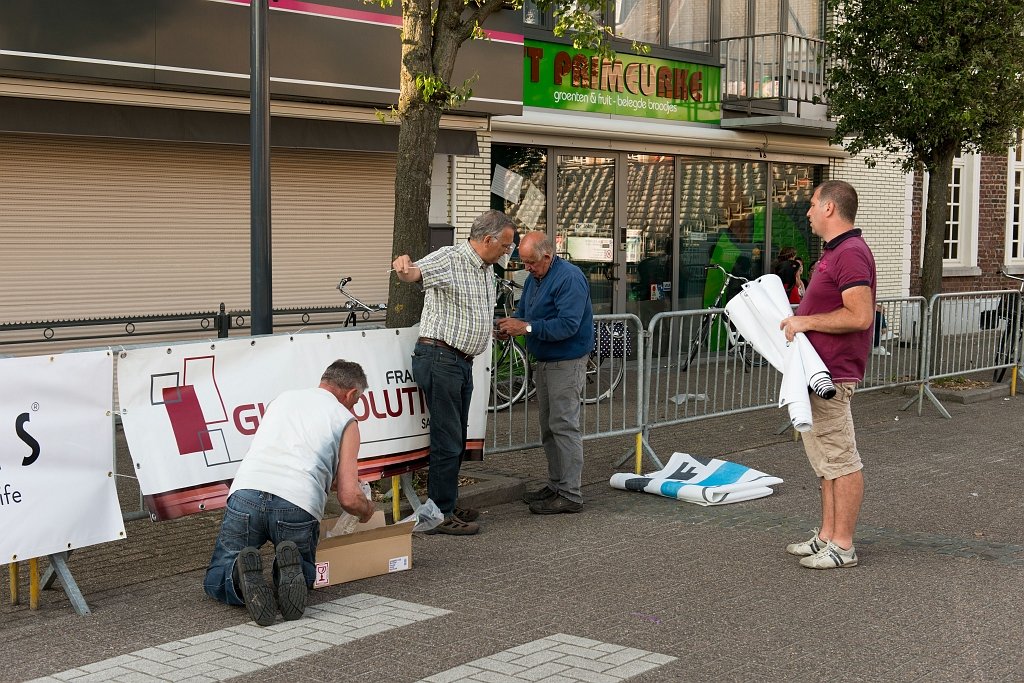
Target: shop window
(689, 24)
(638, 20)
(519, 185)
(722, 206)
(1014, 228)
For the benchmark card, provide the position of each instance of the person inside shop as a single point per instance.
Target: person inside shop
(654, 271)
(306, 445)
(790, 269)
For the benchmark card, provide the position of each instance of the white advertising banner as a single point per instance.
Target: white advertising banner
(190, 410)
(57, 490)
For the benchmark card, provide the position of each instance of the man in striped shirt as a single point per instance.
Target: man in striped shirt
(456, 324)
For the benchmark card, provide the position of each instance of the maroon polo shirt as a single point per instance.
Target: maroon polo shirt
(846, 262)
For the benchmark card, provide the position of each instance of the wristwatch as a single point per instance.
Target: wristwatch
(529, 328)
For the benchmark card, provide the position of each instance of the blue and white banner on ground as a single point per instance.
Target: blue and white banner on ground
(705, 482)
(57, 490)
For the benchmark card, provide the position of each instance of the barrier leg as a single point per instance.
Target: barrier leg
(917, 399)
(935, 401)
(644, 446)
(638, 466)
(50, 575)
(60, 568)
(1013, 381)
(33, 583)
(396, 504)
(12, 569)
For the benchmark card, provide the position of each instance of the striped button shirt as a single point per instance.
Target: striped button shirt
(459, 305)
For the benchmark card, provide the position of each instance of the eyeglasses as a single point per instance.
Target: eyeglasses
(508, 248)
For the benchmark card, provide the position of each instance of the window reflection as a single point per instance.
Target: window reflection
(638, 20)
(689, 24)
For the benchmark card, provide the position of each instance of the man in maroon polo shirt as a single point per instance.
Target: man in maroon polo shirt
(836, 313)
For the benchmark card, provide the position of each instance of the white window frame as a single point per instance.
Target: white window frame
(1014, 262)
(966, 264)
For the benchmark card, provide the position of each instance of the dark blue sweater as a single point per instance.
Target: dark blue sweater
(559, 310)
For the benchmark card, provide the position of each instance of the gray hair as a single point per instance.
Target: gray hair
(843, 195)
(541, 247)
(490, 224)
(344, 375)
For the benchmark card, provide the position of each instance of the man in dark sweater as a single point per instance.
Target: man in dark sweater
(556, 315)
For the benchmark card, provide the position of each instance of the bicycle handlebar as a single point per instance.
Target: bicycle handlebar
(1012, 277)
(354, 303)
(728, 275)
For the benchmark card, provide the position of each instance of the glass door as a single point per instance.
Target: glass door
(585, 223)
(648, 207)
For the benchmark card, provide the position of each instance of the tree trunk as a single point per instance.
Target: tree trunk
(416, 144)
(937, 213)
(429, 48)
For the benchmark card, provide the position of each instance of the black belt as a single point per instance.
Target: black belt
(430, 341)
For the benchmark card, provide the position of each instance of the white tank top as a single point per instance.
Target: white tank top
(294, 454)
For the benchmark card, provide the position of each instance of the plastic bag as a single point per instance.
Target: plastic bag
(427, 516)
(348, 522)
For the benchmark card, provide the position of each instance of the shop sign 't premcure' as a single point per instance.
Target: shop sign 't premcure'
(560, 77)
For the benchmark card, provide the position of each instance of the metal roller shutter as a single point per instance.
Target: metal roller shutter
(96, 228)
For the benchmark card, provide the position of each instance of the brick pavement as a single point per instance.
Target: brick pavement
(936, 596)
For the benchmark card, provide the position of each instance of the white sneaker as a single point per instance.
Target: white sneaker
(831, 557)
(811, 546)
(879, 351)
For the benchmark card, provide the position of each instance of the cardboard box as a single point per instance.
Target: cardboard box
(373, 549)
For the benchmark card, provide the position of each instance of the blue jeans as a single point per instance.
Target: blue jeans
(447, 381)
(251, 519)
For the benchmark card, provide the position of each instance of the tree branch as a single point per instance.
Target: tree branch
(478, 16)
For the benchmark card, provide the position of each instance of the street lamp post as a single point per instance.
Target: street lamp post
(259, 172)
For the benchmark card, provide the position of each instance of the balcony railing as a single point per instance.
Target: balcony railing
(775, 71)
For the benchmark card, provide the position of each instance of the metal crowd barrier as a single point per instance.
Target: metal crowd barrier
(615, 376)
(897, 360)
(687, 381)
(664, 379)
(963, 334)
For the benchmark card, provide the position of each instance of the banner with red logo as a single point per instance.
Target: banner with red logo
(189, 410)
(57, 489)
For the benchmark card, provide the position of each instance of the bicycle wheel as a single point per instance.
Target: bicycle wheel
(702, 336)
(508, 374)
(604, 374)
(744, 349)
(1002, 354)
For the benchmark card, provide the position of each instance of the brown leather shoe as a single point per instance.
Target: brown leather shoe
(466, 514)
(453, 526)
(555, 505)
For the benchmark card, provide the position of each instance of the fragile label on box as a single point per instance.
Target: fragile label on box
(398, 564)
(323, 574)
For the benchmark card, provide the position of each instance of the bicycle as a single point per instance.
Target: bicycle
(1009, 312)
(512, 367)
(734, 342)
(354, 305)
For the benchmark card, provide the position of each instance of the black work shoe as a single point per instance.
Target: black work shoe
(291, 582)
(554, 505)
(453, 526)
(540, 494)
(259, 599)
(467, 514)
